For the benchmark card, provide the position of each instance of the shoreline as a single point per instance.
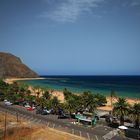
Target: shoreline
(60, 95)
(11, 80)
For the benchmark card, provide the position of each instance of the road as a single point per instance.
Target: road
(95, 133)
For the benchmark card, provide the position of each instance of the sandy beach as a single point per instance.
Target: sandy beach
(108, 106)
(60, 95)
(11, 80)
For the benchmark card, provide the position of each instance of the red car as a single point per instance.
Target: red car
(30, 109)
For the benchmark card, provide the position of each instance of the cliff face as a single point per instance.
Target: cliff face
(12, 66)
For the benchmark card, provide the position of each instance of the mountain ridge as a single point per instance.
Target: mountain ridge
(11, 66)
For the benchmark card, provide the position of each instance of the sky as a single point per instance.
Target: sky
(73, 37)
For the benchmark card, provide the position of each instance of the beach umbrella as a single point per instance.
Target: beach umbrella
(123, 127)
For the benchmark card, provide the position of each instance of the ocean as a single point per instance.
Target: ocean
(124, 86)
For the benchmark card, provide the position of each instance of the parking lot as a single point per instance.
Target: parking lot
(99, 132)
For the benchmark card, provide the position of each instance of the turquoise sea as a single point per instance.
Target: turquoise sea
(124, 86)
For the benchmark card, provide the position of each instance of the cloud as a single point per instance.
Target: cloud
(135, 3)
(70, 10)
(131, 3)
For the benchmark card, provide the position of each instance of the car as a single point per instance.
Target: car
(127, 120)
(104, 116)
(132, 133)
(96, 117)
(30, 109)
(64, 116)
(73, 116)
(47, 111)
(44, 113)
(8, 103)
(27, 106)
(38, 111)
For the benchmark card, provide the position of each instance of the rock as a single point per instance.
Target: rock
(12, 67)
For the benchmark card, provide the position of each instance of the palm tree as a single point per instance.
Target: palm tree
(14, 87)
(37, 90)
(89, 101)
(71, 105)
(112, 96)
(55, 103)
(30, 99)
(136, 114)
(28, 92)
(11, 94)
(46, 95)
(42, 102)
(67, 94)
(101, 99)
(3, 89)
(22, 91)
(3, 86)
(121, 108)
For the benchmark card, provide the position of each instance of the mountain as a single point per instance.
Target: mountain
(12, 67)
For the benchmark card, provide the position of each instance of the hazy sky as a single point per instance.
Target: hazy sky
(73, 36)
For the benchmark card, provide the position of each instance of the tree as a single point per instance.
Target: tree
(22, 91)
(67, 94)
(101, 99)
(46, 95)
(3, 86)
(136, 114)
(55, 103)
(41, 102)
(3, 89)
(28, 92)
(89, 101)
(112, 96)
(121, 108)
(15, 87)
(30, 99)
(37, 90)
(71, 104)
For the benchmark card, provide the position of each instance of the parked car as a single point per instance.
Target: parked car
(128, 120)
(38, 111)
(7, 102)
(73, 116)
(44, 112)
(27, 106)
(132, 133)
(30, 109)
(96, 117)
(64, 116)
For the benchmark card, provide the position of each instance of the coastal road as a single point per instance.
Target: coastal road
(96, 133)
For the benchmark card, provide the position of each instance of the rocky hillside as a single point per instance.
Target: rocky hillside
(12, 66)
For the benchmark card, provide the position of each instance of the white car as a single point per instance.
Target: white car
(27, 106)
(7, 103)
(47, 111)
(33, 107)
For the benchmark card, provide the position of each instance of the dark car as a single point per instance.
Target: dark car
(64, 116)
(44, 113)
(128, 120)
(60, 111)
(132, 133)
(73, 116)
(96, 117)
(38, 111)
